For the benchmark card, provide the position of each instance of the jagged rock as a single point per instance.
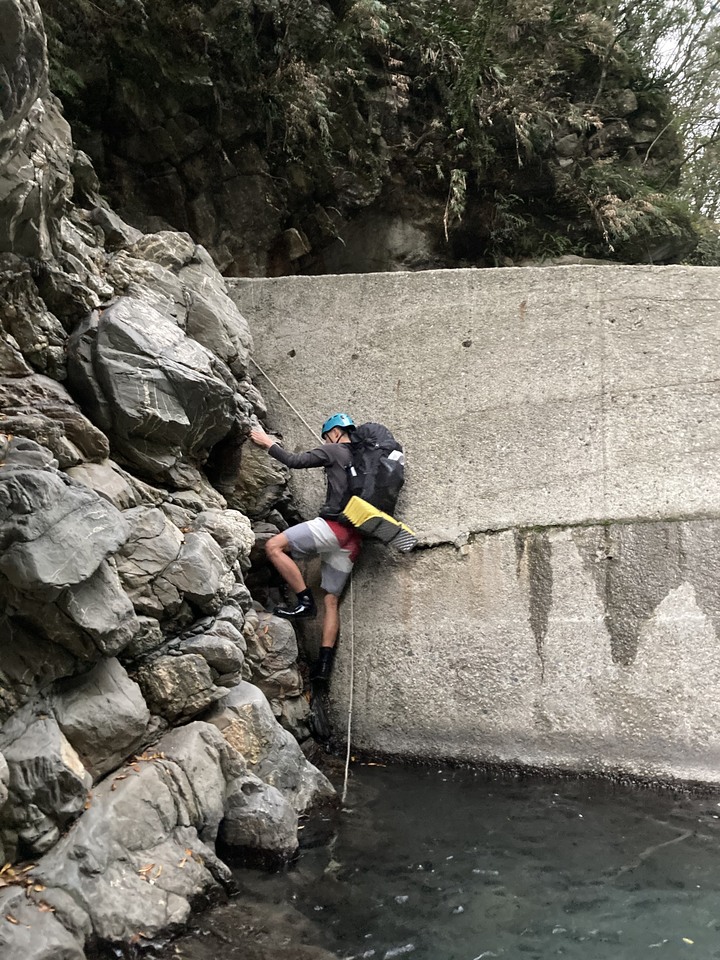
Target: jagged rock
(30, 663)
(162, 398)
(153, 543)
(27, 322)
(55, 536)
(220, 642)
(35, 143)
(178, 687)
(88, 619)
(260, 483)
(48, 783)
(135, 859)
(151, 282)
(233, 532)
(34, 933)
(41, 409)
(111, 482)
(117, 233)
(148, 638)
(53, 532)
(181, 280)
(168, 249)
(200, 573)
(246, 721)
(143, 850)
(272, 657)
(102, 714)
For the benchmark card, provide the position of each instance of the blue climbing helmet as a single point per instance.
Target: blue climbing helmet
(337, 420)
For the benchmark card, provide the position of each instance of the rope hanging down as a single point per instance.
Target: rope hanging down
(279, 392)
(352, 686)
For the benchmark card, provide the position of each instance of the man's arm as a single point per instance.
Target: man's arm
(298, 461)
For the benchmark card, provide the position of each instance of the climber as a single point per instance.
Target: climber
(337, 544)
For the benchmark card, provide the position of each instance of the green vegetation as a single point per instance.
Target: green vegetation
(533, 128)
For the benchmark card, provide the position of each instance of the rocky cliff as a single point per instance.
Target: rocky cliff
(140, 684)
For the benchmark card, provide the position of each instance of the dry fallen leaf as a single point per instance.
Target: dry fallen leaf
(11, 918)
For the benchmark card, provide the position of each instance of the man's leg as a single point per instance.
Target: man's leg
(277, 550)
(331, 621)
(331, 628)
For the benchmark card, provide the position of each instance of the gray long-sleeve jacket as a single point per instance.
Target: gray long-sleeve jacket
(335, 458)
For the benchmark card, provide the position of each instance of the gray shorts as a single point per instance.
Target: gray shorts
(314, 538)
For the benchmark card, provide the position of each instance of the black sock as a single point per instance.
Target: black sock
(305, 594)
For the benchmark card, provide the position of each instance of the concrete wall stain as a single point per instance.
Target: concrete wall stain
(535, 547)
(634, 569)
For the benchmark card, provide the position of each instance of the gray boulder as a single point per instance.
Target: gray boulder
(178, 687)
(26, 325)
(37, 397)
(29, 663)
(233, 532)
(114, 484)
(153, 543)
(143, 850)
(103, 715)
(163, 399)
(200, 573)
(258, 819)
(53, 532)
(90, 619)
(272, 656)
(246, 721)
(47, 783)
(30, 929)
(210, 316)
(35, 143)
(160, 566)
(42, 410)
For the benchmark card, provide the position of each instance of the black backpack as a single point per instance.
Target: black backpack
(377, 471)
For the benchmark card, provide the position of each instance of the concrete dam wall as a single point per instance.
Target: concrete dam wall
(562, 429)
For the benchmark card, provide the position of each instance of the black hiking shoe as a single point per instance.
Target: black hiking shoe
(303, 609)
(322, 668)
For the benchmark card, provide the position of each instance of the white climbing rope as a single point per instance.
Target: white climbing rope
(352, 688)
(279, 392)
(300, 417)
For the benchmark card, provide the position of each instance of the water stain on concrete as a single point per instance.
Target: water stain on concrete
(634, 567)
(535, 547)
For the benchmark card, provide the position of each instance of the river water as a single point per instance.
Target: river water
(446, 864)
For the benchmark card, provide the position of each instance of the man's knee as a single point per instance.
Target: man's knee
(275, 545)
(331, 601)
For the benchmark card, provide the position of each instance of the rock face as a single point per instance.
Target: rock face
(562, 476)
(124, 614)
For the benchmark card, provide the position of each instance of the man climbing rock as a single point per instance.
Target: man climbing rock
(337, 544)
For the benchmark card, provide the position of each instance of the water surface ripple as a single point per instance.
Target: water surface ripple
(442, 864)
